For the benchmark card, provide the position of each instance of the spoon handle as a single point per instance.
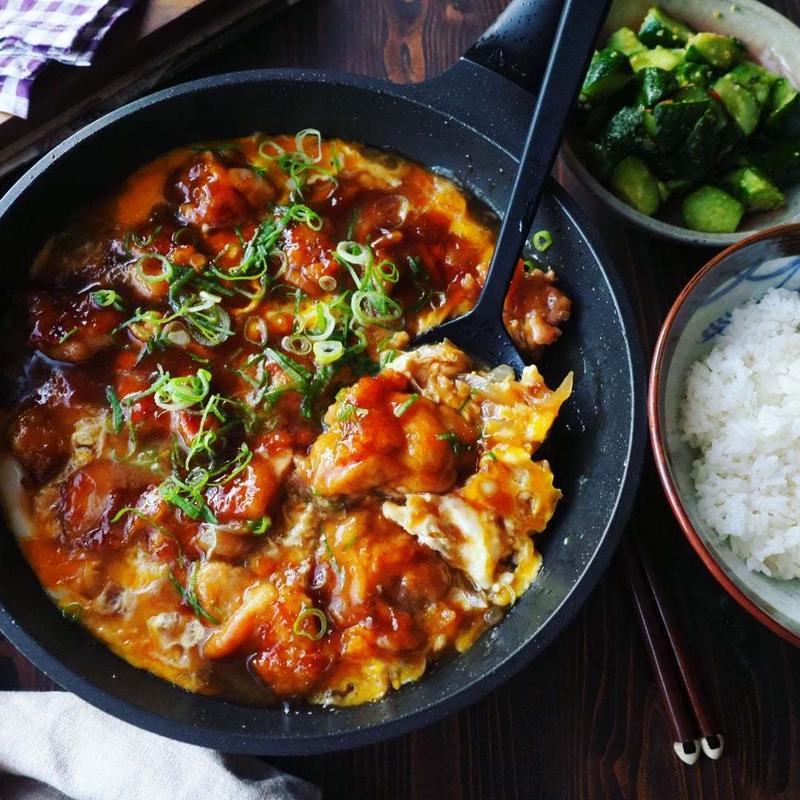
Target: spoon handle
(574, 40)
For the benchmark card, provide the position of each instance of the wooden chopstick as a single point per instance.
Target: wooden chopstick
(711, 741)
(686, 744)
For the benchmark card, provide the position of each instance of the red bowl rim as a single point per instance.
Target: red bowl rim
(656, 440)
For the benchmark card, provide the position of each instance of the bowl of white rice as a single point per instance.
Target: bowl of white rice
(724, 409)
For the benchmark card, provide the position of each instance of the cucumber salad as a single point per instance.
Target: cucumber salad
(672, 117)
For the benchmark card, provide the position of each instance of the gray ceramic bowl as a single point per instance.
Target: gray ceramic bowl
(743, 272)
(772, 40)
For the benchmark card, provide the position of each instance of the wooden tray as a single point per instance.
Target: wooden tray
(153, 39)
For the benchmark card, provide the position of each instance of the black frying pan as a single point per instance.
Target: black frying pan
(469, 123)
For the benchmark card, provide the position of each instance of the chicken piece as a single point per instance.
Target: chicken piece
(92, 496)
(40, 440)
(381, 435)
(433, 369)
(366, 561)
(220, 586)
(212, 195)
(64, 404)
(309, 257)
(291, 652)
(249, 496)
(477, 528)
(70, 327)
(534, 309)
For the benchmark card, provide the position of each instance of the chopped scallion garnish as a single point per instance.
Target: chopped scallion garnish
(189, 595)
(459, 447)
(320, 628)
(404, 406)
(105, 298)
(117, 417)
(542, 240)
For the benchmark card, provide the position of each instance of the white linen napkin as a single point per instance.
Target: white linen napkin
(54, 746)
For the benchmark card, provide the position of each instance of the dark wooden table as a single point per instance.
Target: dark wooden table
(585, 719)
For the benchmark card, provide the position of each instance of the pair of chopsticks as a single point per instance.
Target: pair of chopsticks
(693, 728)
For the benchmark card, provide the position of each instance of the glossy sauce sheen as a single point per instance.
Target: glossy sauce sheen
(349, 521)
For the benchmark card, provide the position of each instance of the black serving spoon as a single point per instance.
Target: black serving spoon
(481, 332)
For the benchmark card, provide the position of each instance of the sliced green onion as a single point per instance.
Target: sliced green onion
(176, 334)
(187, 496)
(328, 352)
(297, 372)
(117, 417)
(374, 308)
(67, 335)
(403, 407)
(165, 273)
(105, 298)
(209, 323)
(270, 145)
(284, 262)
(297, 344)
(300, 140)
(162, 378)
(459, 447)
(354, 253)
(255, 330)
(351, 225)
(260, 526)
(72, 611)
(304, 214)
(189, 595)
(386, 357)
(542, 240)
(325, 322)
(388, 271)
(327, 283)
(180, 393)
(307, 613)
(330, 554)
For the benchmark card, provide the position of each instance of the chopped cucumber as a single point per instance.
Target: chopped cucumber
(633, 182)
(721, 52)
(754, 189)
(674, 121)
(711, 210)
(755, 78)
(655, 85)
(626, 133)
(667, 110)
(660, 57)
(660, 29)
(609, 72)
(625, 41)
(783, 109)
(694, 75)
(601, 160)
(780, 161)
(740, 102)
(706, 143)
(691, 94)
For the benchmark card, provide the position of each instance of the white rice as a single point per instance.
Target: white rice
(742, 413)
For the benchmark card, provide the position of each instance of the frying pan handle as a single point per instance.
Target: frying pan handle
(518, 43)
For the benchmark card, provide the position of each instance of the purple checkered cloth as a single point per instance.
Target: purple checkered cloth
(34, 32)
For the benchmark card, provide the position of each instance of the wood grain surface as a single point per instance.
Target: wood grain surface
(584, 720)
